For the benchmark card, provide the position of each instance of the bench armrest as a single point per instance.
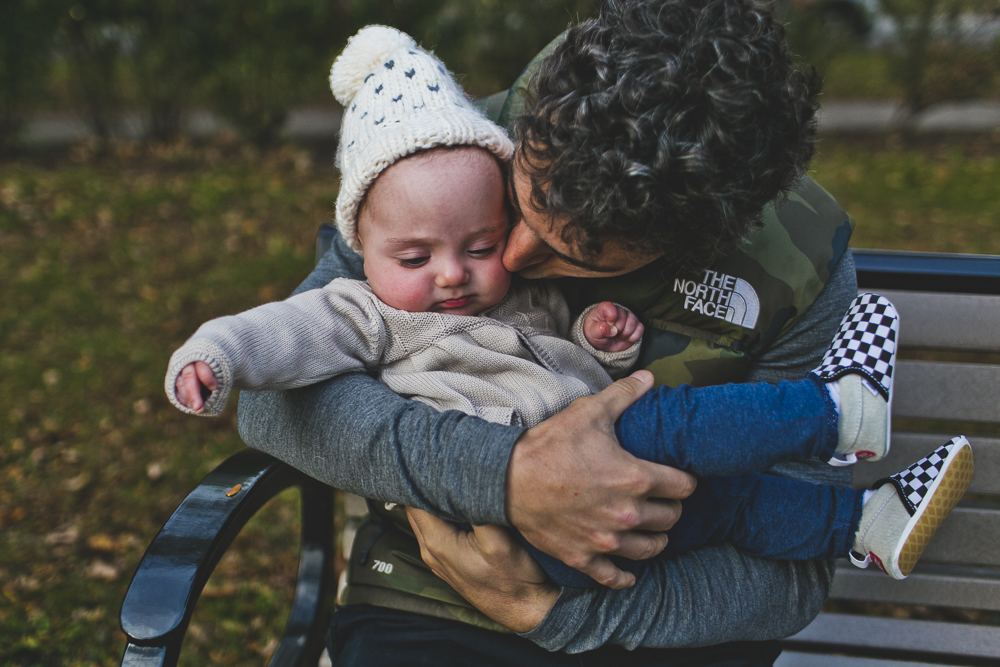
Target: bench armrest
(927, 271)
(170, 577)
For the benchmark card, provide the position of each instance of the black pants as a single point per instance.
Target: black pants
(366, 636)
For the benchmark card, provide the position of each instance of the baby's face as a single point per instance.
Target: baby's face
(433, 231)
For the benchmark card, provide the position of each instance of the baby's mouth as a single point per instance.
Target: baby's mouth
(456, 303)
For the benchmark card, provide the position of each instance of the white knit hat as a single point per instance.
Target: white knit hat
(398, 99)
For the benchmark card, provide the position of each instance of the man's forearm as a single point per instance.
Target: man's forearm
(687, 601)
(353, 433)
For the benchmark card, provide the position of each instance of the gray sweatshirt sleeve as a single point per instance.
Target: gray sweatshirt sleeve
(353, 433)
(305, 339)
(717, 594)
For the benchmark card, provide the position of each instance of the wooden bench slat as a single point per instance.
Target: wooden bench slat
(929, 584)
(799, 659)
(947, 321)
(894, 634)
(908, 447)
(940, 390)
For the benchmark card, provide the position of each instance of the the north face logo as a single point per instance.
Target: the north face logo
(723, 296)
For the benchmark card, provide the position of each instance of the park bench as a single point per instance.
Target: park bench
(948, 380)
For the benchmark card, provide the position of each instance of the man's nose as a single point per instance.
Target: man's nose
(524, 249)
(452, 273)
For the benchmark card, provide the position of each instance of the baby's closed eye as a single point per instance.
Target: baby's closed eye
(413, 262)
(484, 252)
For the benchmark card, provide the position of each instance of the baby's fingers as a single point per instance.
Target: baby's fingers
(606, 312)
(632, 331)
(205, 375)
(188, 389)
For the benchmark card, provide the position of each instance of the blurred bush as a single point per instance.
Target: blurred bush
(925, 52)
(168, 63)
(932, 60)
(249, 61)
(487, 41)
(268, 56)
(93, 37)
(27, 28)
(955, 72)
(819, 31)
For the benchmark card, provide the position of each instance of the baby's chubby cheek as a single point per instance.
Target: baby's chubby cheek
(397, 289)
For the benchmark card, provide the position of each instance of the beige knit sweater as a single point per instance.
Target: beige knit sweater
(513, 364)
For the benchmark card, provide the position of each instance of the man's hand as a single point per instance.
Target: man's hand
(488, 568)
(575, 494)
(190, 381)
(611, 328)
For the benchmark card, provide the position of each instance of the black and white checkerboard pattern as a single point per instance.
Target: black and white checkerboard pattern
(914, 483)
(865, 343)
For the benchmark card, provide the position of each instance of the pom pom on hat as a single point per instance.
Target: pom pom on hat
(364, 52)
(398, 100)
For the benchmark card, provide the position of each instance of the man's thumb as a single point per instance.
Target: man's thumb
(623, 393)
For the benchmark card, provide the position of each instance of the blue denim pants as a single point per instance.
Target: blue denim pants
(728, 435)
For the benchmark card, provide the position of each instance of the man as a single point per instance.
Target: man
(650, 145)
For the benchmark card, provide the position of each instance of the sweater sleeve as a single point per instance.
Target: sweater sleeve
(716, 595)
(353, 433)
(305, 339)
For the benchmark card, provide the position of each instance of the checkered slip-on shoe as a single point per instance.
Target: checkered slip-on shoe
(908, 507)
(861, 360)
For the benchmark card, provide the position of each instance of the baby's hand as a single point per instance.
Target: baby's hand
(611, 328)
(192, 378)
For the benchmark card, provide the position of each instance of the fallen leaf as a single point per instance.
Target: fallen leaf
(26, 583)
(267, 649)
(65, 534)
(74, 484)
(101, 570)
(101, 542)
(50, 377)
(12, 515)
(89, 615)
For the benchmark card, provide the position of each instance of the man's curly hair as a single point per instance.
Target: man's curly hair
(668, 125)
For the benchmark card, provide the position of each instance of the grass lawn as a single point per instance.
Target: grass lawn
(108, 264)
(106, 267)
(931, 194)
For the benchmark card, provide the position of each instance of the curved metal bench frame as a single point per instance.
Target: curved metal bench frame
(182, 556)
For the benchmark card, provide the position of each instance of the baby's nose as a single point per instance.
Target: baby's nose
(452, 273)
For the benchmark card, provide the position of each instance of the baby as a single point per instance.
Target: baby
(440, 320)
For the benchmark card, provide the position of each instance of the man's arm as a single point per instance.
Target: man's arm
(702, 598)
